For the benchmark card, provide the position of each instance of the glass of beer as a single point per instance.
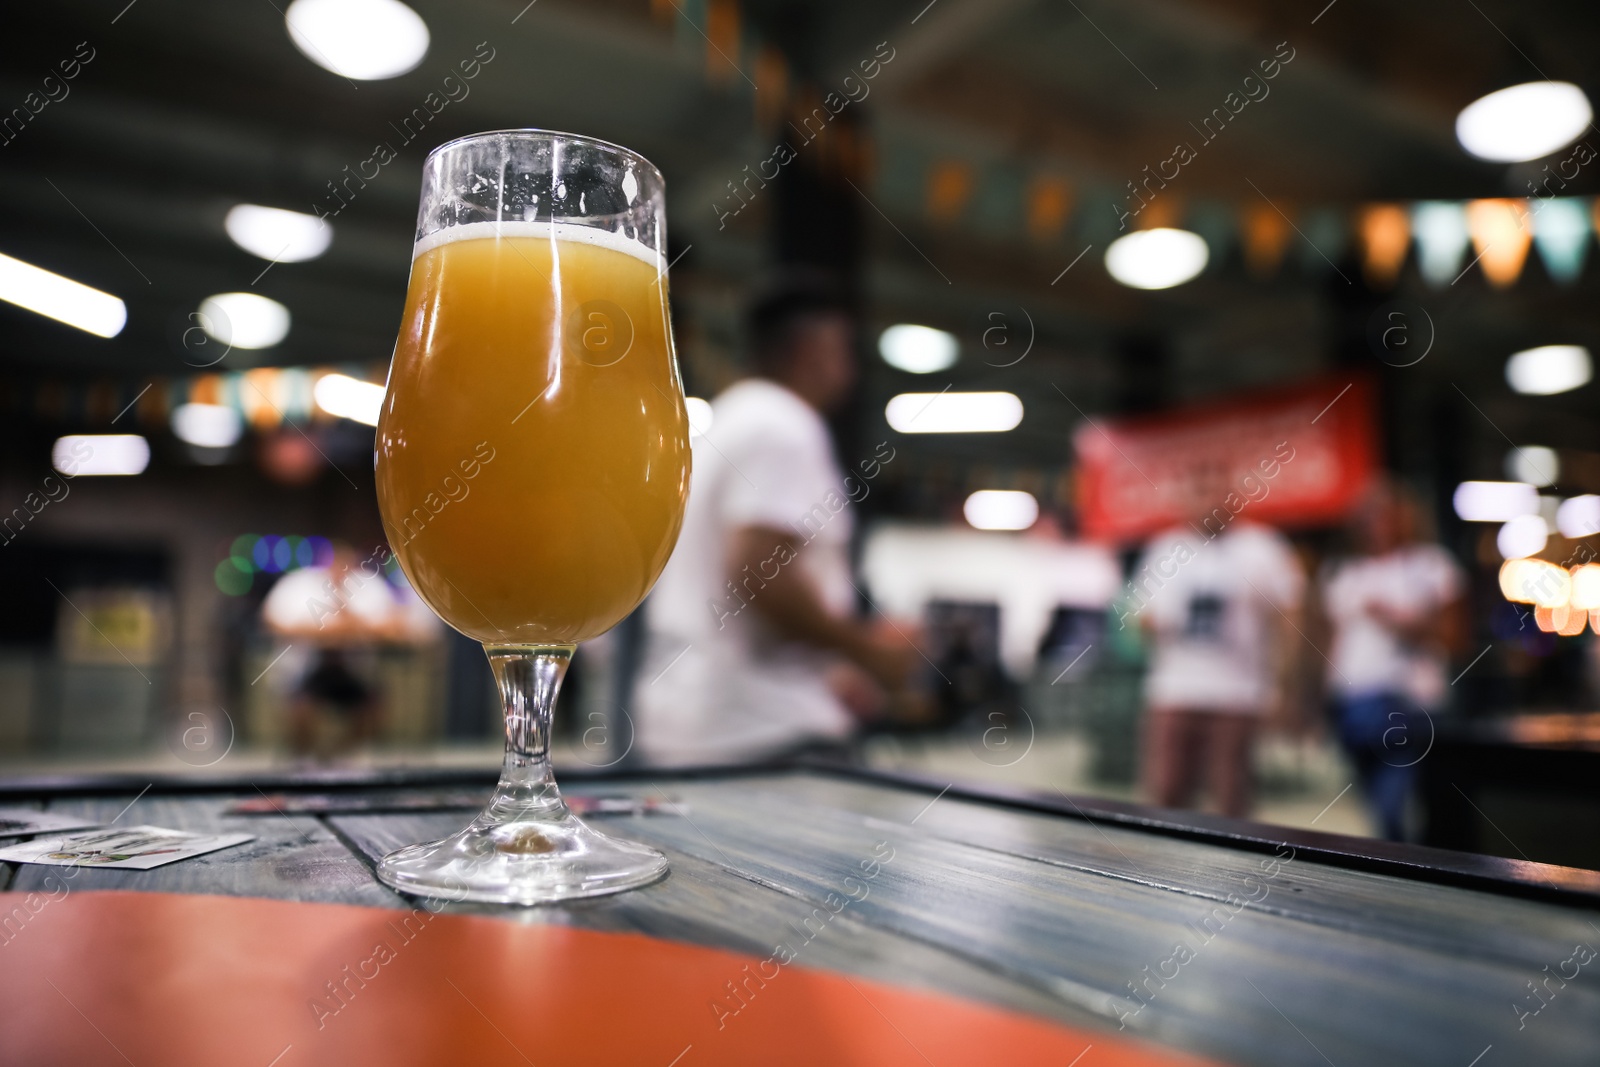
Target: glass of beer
(533, 465)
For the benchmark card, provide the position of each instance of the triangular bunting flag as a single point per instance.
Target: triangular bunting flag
(1266, 233)
(1385, 236)
(1440, 227)
(1561, 233)
(1324, 233)
(208, 389)
(1501, 235)
(1049, 202)
(949, 188)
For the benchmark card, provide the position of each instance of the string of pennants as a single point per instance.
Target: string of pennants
(1449, 237)
(1498, 233)
(264, 397)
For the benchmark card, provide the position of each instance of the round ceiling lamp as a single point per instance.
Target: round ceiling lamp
(918, 349)
(1523, 122)
(362, 39)
(1549, 369)
(1157, 259)
(1522, 537)
(207, 425)
(1535, 464)
(276, 233)
(244, 320)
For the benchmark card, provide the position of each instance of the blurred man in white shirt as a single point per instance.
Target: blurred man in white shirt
(1396, 613)
(752, 651)
(1216, 601)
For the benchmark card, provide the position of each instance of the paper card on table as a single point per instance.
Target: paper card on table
(136, 847)
(17, 821)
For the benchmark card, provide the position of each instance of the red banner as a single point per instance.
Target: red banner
(1299, 456)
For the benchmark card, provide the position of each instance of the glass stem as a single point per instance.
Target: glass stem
(529, 677)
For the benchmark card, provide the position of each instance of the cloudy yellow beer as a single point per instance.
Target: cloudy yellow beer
(533, 450)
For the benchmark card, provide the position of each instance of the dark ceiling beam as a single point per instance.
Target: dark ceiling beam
(1066, 125)
(1235, 26)
(942, 30)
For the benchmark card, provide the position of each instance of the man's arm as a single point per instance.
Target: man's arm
(761, 564)
(1443, 627)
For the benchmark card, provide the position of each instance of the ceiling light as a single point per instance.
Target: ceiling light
(1513, 574)
(60, 298)
(1533, 464)
(918, 349)
(699, 416)
(1001, 509)
(207, 425)
(1156, 259)
(1522, 536)
(1495, 501)
(1585, 587)
(364, 39)
(244, 320)
(349, 398)
(1542, 583)
(954, 412)
(114, 453)
(1548, 586)
(277, 234)
(1579, 516)
(1529, 580)
(1524, 121)
(1549, 369)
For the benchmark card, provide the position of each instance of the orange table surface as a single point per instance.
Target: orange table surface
(171, 980)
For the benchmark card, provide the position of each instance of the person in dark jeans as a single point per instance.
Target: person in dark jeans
(1384, 737)
(1396, 613)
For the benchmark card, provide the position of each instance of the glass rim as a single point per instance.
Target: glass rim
(562, 134)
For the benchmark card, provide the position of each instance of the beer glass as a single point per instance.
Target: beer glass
(533, 465)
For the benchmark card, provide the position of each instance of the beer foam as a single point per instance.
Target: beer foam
(559, 231)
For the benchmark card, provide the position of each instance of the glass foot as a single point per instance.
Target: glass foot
(540, 860)
(526, 846)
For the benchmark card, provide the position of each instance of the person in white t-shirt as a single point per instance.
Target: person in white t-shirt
(1396, 614)
(1216, 599)
(752, 651)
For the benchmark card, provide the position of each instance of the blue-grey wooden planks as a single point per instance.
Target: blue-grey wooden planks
(1358, 968)
(707, 902)
(1283, 961)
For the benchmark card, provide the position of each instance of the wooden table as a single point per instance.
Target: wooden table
(1237, 942)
